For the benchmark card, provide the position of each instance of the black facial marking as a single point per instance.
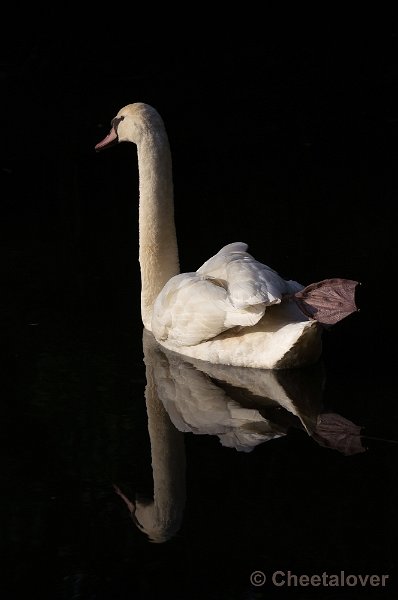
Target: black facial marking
(115, 122)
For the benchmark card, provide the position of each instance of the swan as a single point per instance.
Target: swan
(233, 310)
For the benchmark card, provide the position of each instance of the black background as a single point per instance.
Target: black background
(283, 136)
(285, 139)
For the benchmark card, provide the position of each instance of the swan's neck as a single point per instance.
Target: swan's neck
(158, 251)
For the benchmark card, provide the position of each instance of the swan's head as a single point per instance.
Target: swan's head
(149, 519)
(131, 123)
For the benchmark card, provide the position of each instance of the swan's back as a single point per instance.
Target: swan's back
(249, 281)
(230, 290)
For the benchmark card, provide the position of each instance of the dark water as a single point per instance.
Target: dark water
(293, 152)
(75, 424)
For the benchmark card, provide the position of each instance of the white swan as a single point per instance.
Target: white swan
(233, 310)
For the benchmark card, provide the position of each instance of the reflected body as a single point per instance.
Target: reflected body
(242, 407)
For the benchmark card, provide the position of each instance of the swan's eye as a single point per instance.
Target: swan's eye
(115, 122)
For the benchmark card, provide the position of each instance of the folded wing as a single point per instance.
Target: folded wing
(231, 289)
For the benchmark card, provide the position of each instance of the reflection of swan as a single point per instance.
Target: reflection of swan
(233, 309)
(160, 518)
(243, 407)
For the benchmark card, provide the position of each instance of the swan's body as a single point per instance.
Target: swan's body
(230, 290)
(233, 310)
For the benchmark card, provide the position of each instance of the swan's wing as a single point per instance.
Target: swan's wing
(248, 281)
(251, 282)
(216, 265)
(193, 308)
(231, 289)
(189, 309)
